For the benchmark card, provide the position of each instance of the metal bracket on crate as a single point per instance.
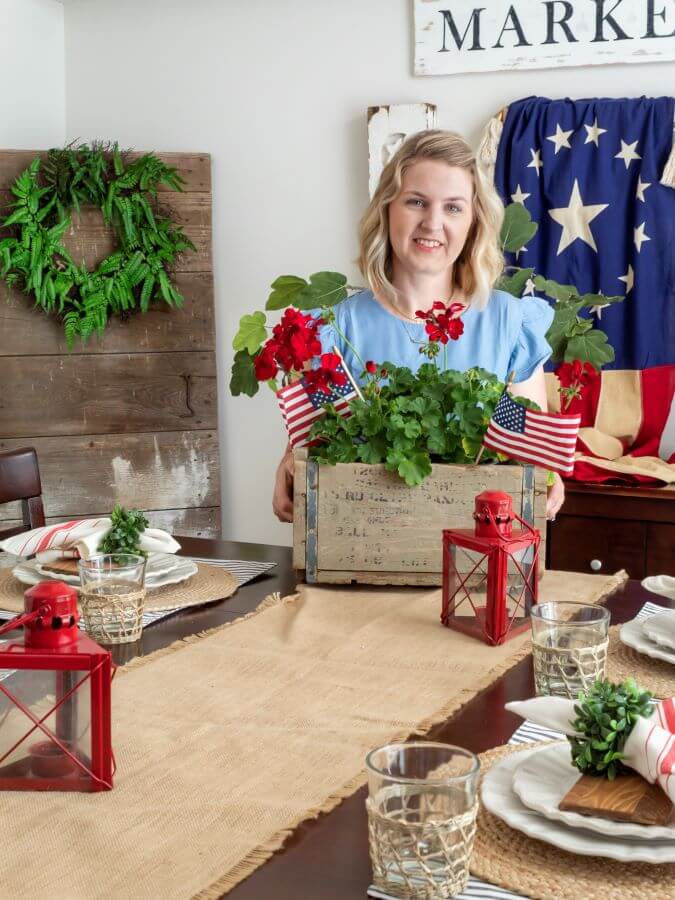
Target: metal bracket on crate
(527, 513)
(311, 549)
(527, 496)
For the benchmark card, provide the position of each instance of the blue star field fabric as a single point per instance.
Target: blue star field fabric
(588, 171)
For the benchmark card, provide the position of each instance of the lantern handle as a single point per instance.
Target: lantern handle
(23, 619)
(493, 521)
(525, 523)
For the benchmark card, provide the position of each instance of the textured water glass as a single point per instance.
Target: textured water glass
(569, 647)
(112, 596)
(422, 807)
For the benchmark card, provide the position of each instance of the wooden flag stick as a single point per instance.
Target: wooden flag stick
(509, 382)
(348, 373)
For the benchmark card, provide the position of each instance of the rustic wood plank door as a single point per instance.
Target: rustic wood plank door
(132, 416)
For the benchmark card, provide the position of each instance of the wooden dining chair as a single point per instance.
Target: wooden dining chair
(20, 480)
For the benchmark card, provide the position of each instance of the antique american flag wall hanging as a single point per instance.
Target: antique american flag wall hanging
(544, 439)
(453, 36)
(597, 176)
(301, 405)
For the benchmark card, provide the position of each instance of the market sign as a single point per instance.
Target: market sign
(453, 36)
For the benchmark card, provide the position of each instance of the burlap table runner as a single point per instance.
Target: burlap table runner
(227, 741)
(655, 675)
(209, 584)
(511, 859)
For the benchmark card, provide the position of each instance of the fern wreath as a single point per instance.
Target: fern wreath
(33, 258)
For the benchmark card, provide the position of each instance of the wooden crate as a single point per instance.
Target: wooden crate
(355, 522)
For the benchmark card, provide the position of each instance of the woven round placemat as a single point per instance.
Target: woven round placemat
(513, 860)
(623, 662)
(211, 583)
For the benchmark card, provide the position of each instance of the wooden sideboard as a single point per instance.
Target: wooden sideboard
(604, 528)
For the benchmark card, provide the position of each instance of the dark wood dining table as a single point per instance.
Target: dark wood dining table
(327, 858)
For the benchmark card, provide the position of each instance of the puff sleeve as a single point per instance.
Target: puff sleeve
(531, 348)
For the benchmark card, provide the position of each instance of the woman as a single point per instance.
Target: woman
(431, 232)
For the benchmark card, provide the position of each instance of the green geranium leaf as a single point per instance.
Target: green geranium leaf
(324, 289)
(251, 334)
(373, 451)
(560, 331)
(415, 468)
(600, 299)
(517, 227)
(243, 380)
(592, 347)
(285, 292)
(515, 284)
(563, 293)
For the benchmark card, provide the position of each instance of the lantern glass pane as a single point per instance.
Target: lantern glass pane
(519, 585)
(61, 702)
(470, 582)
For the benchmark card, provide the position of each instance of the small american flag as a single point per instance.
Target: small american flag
(301, 407)
(544, 439)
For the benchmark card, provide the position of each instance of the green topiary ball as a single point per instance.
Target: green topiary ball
(606, 715)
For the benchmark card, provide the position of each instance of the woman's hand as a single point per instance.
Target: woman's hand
(555, 497)
(282, 498)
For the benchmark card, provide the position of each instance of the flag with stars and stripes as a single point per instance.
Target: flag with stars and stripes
(543, 439)
(301, 407)
(598, 176)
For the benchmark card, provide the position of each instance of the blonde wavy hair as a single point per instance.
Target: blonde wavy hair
(480, 262)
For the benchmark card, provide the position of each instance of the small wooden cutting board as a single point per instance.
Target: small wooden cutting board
(629, 798)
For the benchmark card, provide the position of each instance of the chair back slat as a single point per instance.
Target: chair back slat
(20, 480)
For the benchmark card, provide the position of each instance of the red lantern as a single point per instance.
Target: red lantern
(490, 572)
(54, 698)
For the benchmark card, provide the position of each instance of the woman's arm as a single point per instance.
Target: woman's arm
(534, 388)
(282, 498)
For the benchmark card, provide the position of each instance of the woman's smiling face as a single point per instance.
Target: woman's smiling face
(430, 218)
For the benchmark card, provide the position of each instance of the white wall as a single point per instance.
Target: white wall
(276, 91)
(32, 76)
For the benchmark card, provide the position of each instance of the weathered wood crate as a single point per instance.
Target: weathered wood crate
(355, 522)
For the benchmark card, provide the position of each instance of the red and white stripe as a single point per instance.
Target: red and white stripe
(65, 534)
(299, 414)
(549, 440)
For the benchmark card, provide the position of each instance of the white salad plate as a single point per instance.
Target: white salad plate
(660, 584)
(162, 569)
(543, 780)
(500, 799)
(633, 635)
(660, 628)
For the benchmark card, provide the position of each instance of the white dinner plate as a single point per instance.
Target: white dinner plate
(180, 569)
(660, 628)
(500, 799)
(632, 635)
(543, 780)
(660, 584)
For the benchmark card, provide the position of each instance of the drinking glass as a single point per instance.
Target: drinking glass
(112, 596)
(422, 809)
(569, 647)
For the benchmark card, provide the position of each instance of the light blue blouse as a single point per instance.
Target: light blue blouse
(507, 335)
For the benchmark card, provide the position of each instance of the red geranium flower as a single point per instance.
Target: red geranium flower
(574, 377)
(441, 322)
(326, 375)
(264, 363)
(371, 367)
(455, 328)
(293, 343)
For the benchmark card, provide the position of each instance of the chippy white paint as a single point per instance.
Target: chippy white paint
(177, 484)
(453, 36)
(388, 127)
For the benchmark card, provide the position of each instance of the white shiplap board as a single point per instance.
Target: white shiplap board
(388, 127)
(453, 36)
